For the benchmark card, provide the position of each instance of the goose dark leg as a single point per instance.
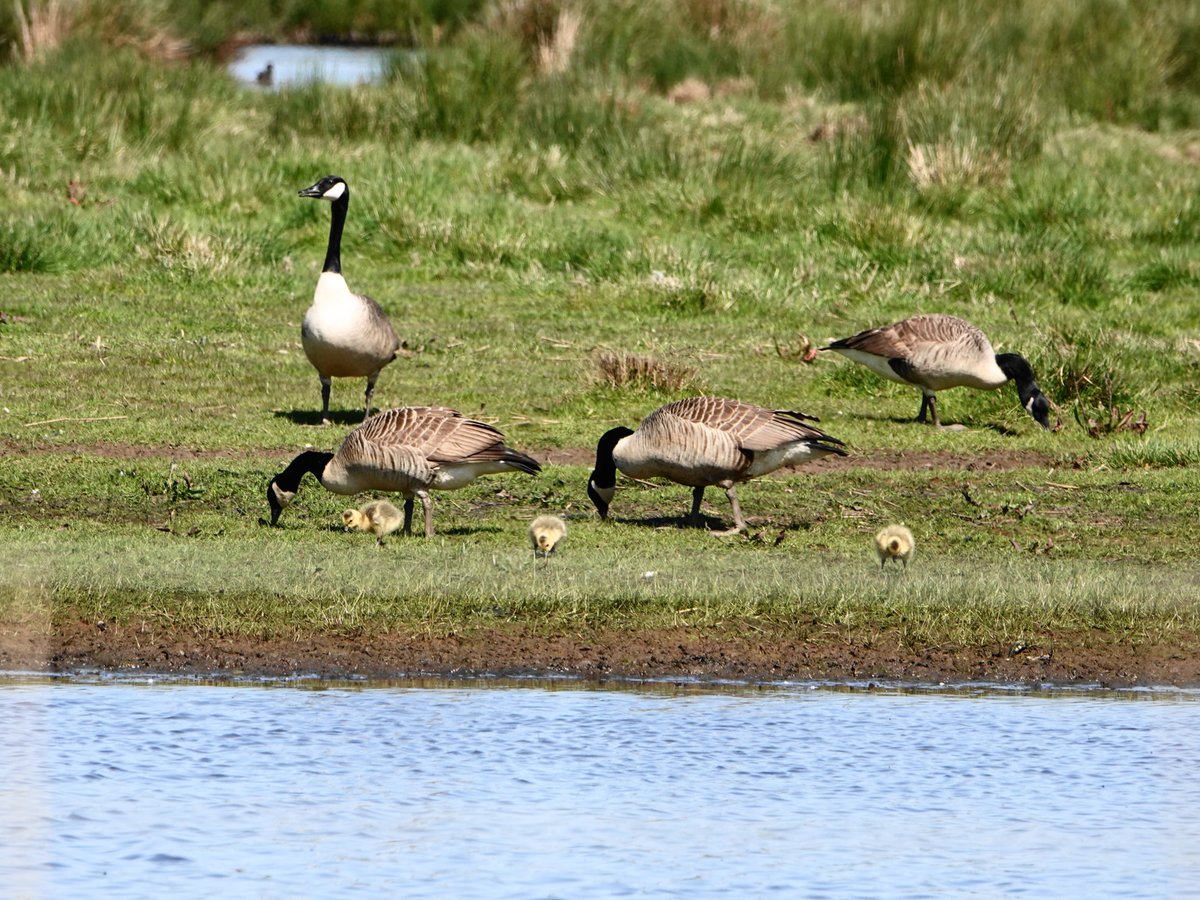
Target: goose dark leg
(326, 382)
(369, 394)
(924, 408)
(408, 511)
(694, 517)
(427, 505)
(739, 524)
(933, 409)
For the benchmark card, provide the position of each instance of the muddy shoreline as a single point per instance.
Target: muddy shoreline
(686, 653)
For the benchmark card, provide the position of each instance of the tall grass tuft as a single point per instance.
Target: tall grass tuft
(26, 248)
(616, 369)
(472, 91)
(41, 25)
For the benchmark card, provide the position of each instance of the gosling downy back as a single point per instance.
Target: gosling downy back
(895, 542)
(546, 533)
(379, 517)
(409, 451)
(938, 352)
(702, 441)
(344, 335)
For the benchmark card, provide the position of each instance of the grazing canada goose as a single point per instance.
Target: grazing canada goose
(546, 533)
(937, 352)
(410, 451)
(345, 335)
(379, 517)
(704, 441)
(267, 76)
(894, 542)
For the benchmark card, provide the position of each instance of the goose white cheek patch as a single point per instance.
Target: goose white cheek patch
(336, 191)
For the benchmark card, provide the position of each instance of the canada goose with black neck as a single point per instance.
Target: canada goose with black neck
(702, 441)
(409, 451)
(937, 352)
(345, 335)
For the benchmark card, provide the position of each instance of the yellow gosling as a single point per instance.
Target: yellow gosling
(546, 533)
(379, 517)
(894, 542)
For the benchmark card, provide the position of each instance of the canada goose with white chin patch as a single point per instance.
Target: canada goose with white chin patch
(409, 451)
(936, 352)
(702, 441)
(546, 533)
(379, 517)
(345, 335)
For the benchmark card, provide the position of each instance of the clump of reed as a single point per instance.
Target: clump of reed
(616, 369)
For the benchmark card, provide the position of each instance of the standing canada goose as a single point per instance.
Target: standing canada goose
(894, 542)
(345, 335)
(546, 533)
(704, 441)
(410, 451)
(379, 517)
(937, 352)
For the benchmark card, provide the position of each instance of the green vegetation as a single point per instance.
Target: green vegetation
(574, 213)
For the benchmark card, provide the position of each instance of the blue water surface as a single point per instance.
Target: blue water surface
(557, 789)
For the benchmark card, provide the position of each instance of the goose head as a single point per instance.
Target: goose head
(278, 499)
(283, 487)
(353, 520)
(603, 483)
(330, 188)
(1018, 370)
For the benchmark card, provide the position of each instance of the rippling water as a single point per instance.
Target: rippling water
(479, 789)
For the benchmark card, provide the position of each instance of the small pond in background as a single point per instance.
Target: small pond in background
(500, 788)
(293, 64)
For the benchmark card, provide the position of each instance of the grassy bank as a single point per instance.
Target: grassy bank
(523, 217)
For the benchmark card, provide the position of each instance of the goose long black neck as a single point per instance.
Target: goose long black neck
(605, 473)
(1016, 368)
(313, 461)
(337, 221)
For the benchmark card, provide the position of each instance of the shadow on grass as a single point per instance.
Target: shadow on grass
(912, 420)
(709, 523)
(313, 416)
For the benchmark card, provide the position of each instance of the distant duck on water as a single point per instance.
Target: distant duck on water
(267, 76)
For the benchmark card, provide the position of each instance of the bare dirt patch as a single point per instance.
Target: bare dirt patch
(1091, 658)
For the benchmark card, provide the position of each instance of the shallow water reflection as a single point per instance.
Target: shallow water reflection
(535, 789)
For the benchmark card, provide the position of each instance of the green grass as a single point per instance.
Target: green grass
(1017, 166)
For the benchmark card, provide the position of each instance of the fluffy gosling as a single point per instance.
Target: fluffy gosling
(894, 542)
(379, 517)
(545, 534)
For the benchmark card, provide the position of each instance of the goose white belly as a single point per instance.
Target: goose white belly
(877, 364)
(452, 476)
(937, 370)
(338, 333)
(766, 461)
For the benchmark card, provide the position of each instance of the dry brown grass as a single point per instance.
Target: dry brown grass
(954, 164)
(42, 25)
(622, 370)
